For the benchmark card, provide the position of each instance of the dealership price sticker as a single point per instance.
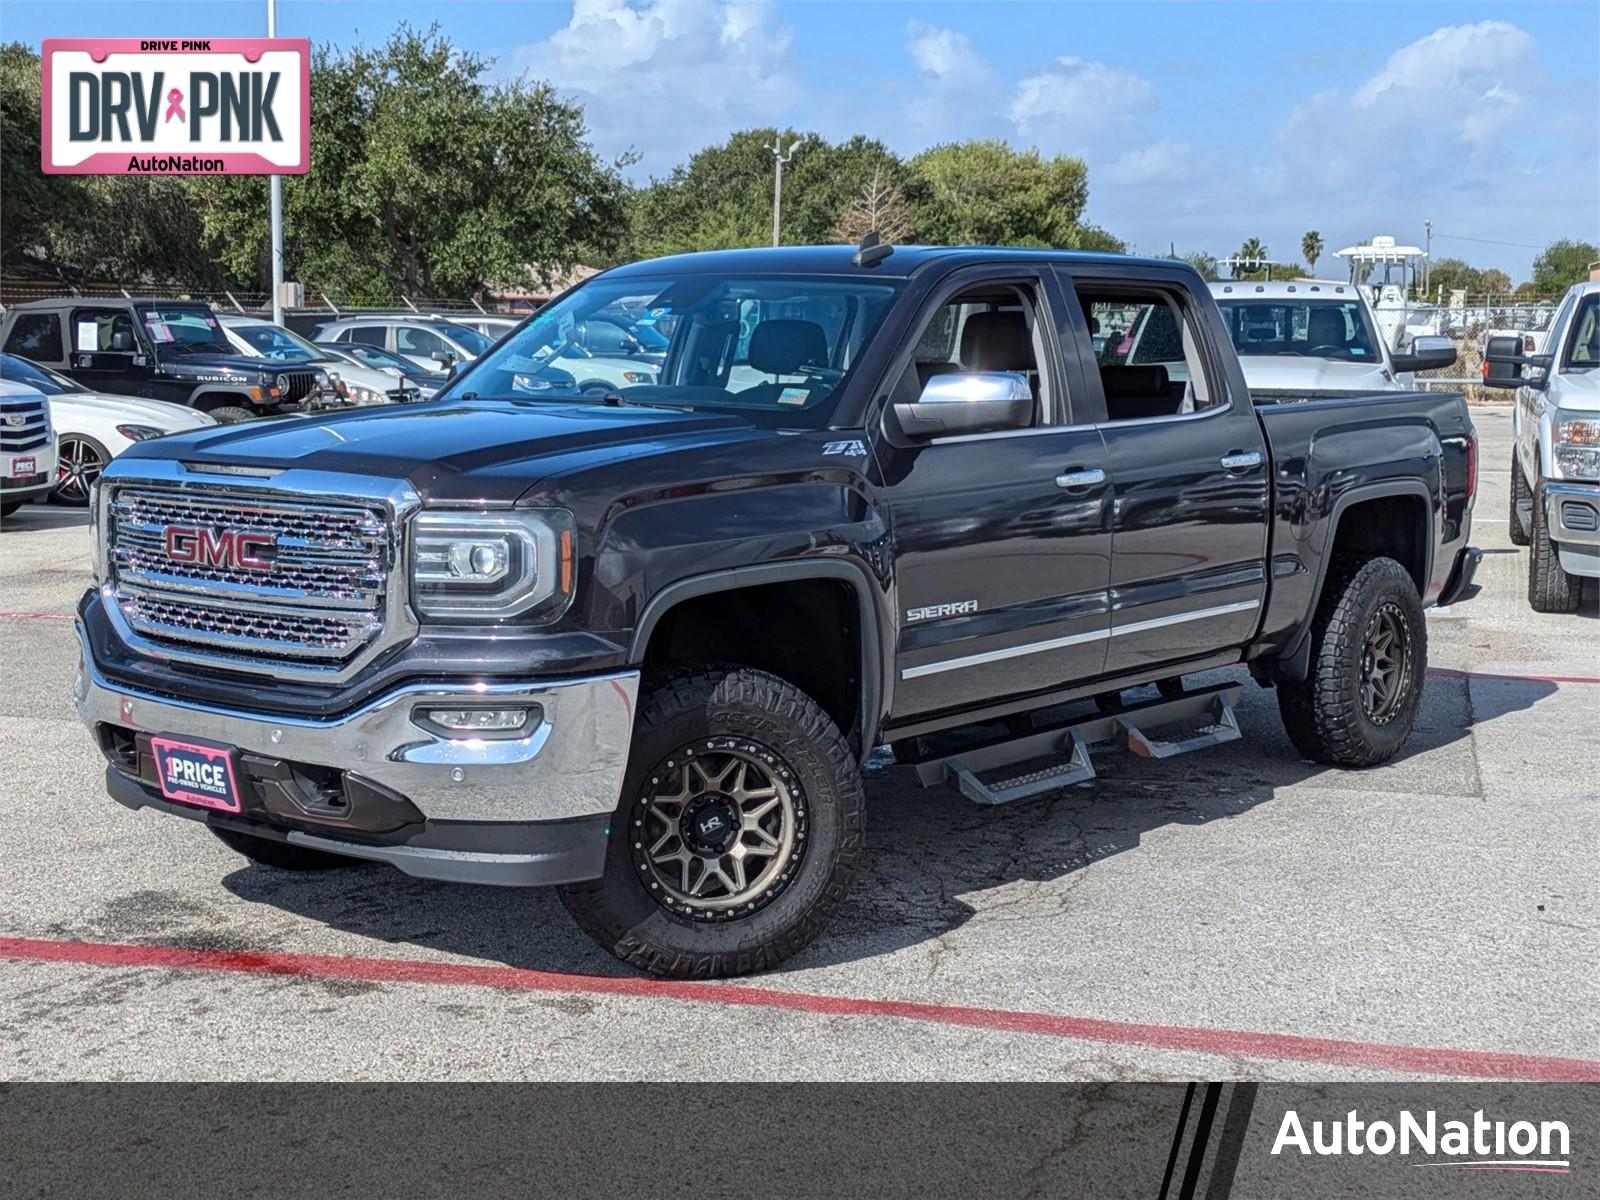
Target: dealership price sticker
(168, 106)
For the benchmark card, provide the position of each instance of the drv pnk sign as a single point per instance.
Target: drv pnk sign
(206, 106)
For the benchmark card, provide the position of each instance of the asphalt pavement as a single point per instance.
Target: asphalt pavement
(1239, 913)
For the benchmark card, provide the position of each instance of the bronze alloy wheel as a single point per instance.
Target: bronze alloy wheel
(1385, 664)
(718, 829)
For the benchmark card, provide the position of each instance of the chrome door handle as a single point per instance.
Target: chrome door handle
(1079, 479)
(1241, 460)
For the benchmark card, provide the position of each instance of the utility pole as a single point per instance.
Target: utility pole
(1427, 257)
(275, 184)
(779, 157)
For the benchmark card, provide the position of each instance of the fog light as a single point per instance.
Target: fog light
(477, 720)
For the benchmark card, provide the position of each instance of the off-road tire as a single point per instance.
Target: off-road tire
(685, 708)
(1550, 589)
(231, 414)
(1520, 494)
(1323, 713)
(282, 855)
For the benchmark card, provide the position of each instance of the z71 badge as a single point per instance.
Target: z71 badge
(854, 448)
(956, 608)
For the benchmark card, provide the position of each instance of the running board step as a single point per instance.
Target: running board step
(963, 770)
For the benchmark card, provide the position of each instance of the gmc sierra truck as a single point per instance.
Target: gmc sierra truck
(173, 350)
(639, 644)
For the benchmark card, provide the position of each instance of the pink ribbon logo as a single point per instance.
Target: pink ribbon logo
(175, 105)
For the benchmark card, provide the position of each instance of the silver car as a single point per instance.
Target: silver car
(433, 343)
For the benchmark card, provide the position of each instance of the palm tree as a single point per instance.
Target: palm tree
(1311, 250)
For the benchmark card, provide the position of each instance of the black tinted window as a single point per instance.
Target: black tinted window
(36, 335)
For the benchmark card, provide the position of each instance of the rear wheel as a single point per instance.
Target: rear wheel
(1521, 499)
(79, 461)
(1550, 589)
(739, 831)
(282, 855)
(1369, 652)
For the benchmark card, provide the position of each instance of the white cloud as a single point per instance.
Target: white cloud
(1072, 102)
(1164, 161)
(667, 77)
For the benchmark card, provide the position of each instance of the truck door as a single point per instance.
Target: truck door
(105, 345)
(1001, 539)
(1190, 470)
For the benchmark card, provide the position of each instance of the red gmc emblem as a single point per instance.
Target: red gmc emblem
(208, 547)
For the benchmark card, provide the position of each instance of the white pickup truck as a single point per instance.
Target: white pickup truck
(1555, 456)
(1319, 337)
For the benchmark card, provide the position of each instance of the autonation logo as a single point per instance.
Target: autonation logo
(1480, 1144)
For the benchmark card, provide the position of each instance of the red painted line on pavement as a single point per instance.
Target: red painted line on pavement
(1376, 1056)
(1454, 673)
(35, 616)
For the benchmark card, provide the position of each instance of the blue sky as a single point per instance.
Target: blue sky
(1202, 123)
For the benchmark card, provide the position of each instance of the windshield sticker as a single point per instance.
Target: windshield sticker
(1357, 350)
(158, 330)
(794, 395)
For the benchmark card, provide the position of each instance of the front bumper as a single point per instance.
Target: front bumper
(1572, 515)
(376, 783)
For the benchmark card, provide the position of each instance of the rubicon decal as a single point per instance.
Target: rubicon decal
(214, 106)
(1480, 1143)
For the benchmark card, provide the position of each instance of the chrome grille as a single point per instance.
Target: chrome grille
(320, 598)
(24, 425)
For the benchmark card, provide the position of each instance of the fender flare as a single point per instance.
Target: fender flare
(871, 667)
(1295, 662)
(205, 391)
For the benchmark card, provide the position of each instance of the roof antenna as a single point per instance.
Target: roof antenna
(871, 251)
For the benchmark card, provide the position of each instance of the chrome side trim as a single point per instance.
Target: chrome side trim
(974, 660)
(1076, 639)
(1199, 614)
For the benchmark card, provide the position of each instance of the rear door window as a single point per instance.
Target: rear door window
(36, 336)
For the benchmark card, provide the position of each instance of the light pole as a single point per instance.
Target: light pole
(1427, 258)
(779, 157)
(275, 186)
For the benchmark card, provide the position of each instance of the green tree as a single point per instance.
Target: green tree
(1451, 274)
(1311, 250)
(1562, 264)
(427, 179)
(985, 192)
(1202, 262)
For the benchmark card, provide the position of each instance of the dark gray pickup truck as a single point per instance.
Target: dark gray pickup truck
(638, 645)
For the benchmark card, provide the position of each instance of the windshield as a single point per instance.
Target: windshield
(1583, 348)
(276, 342)
(187, 328)
(20, 370)
(1304, 328)
(777, 349)
(377, 358)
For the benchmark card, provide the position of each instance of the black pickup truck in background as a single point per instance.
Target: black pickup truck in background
(171, 350)
(638, 645)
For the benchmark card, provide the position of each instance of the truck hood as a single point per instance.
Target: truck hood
(455, 451)
(1292, 374)
(1578, 391)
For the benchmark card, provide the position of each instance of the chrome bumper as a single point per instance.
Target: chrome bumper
(570, 766)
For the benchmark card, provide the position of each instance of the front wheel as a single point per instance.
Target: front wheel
(230, 414)
(1369, 653)
(1550, 588)
(79, 461)
(739, 831)
(1521, 501)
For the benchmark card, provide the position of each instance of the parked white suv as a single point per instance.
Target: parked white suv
(1555, 457)
(431, 342)
(27, 446)
(1320, 337)
(257, 338)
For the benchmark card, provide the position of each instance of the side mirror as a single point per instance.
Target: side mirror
(444, 358)
(1504, 363)
(968, 402)
(1429, 352)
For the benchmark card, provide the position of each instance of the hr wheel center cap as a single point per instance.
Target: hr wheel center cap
(710, 824)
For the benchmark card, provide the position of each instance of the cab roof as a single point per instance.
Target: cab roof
(837, 260)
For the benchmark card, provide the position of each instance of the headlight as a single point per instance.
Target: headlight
(365, 395)
(492, 565)
(1577, 447)
(139, 433)
(638, 377)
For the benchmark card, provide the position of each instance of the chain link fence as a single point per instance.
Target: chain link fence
(331, 304)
